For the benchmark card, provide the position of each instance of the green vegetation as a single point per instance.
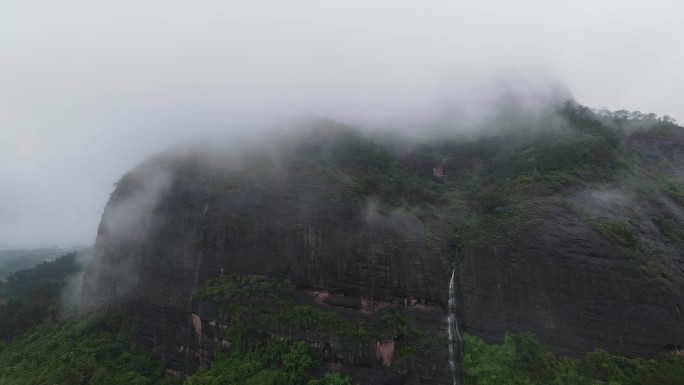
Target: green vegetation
(95, 349)
(21, 314)
(668, 226)
(33, 295)
(256, 303)
(494, 185)
(22, 282)
(408, 340)
(19, 259)
(327, 324)
(342, 153)
(396, 188)
(498, 182)
(39, 345)
(275, 363)
(617, 232)
(522, 360)
(674, 189)
(624, 237)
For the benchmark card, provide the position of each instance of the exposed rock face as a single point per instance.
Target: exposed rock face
(162, 237)
(572, 288)
(312, 233)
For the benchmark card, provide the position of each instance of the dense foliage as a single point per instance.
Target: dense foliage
(95, 349)
(275, 363)
(19, 315)
(257, 303)
(344, 154)
(522, 360)
(24, 281)
(39, 345)
(98, 348)
(33, 295)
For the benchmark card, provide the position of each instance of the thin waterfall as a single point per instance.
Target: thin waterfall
(455, 341)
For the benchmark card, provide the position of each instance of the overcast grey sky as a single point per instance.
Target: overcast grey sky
(90, 88)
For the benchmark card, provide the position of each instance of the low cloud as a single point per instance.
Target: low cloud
(91, 89)
(127, 220)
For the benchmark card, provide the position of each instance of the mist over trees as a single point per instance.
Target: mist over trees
(623, 118)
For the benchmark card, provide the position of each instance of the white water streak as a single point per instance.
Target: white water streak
(454, 334)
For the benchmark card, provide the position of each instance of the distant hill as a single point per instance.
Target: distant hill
(55, 271)
(28, 296)
(12, 260)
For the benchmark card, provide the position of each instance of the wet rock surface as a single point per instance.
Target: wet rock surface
(363, 261)
(572, 288)
(561, 278)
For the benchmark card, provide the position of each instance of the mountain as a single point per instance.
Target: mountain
(563, 222)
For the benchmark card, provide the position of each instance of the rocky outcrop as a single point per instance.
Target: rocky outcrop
(315, 234)
(573, 288)
(170, 226)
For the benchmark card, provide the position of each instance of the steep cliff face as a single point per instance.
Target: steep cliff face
(309, 228)
(574, 288)
(577, 283)
(318, 220)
